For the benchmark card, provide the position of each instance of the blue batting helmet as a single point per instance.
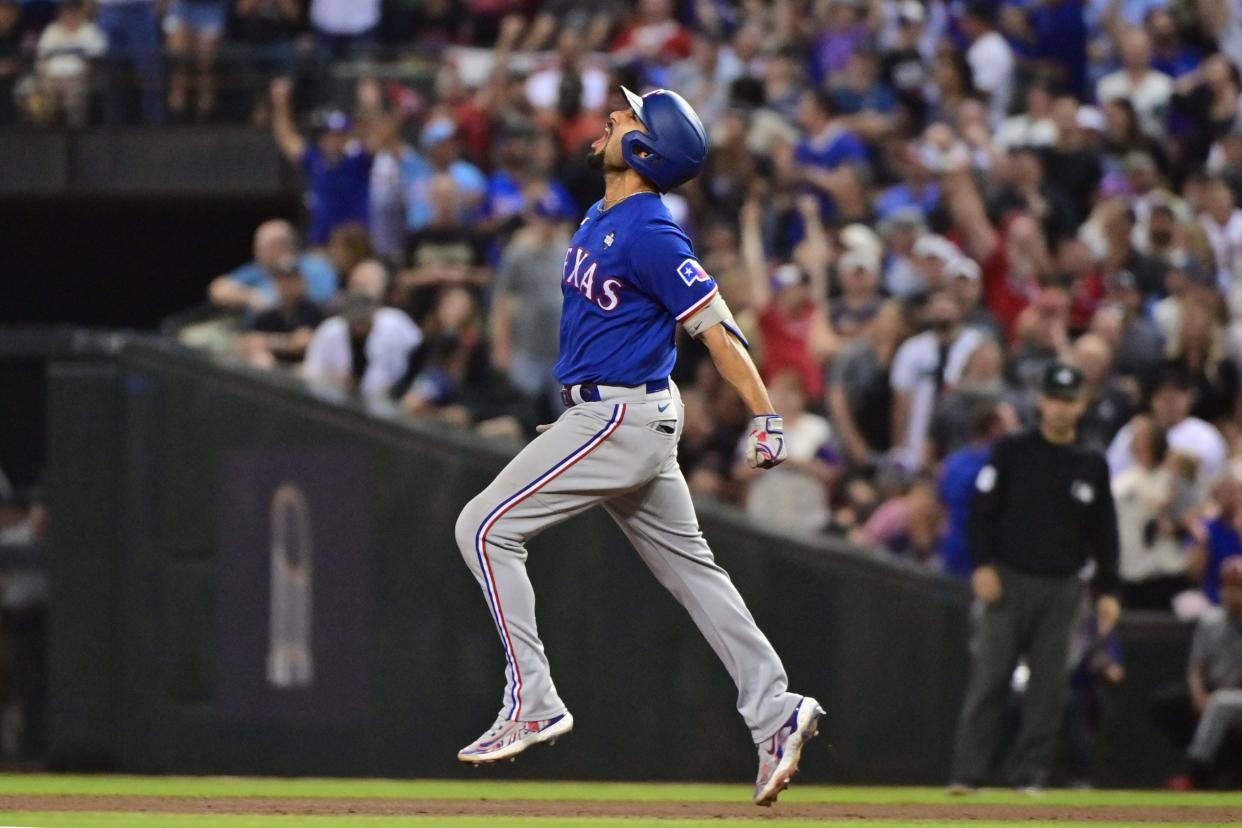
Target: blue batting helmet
(675, 139)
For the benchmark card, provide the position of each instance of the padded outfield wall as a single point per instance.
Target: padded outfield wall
(252, 578)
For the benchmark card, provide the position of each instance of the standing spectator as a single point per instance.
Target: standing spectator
(1148, 89)
(982, 386)
(344, 28)
(1043, 508)
(337, 167)
(441, 154)
(1221, 538)
(990, 57)
(966, 281)
(1152, 504)
(66, 51)
(526, 307)
(366, 348)
(1108, 406)
(194, 28)
(252, 285)
(653, 36)
(266, 29)
(1198, 350)
(1221, 221)
(957, 487)
(925, 367)
(791, 306)
(1215, 677)
(860, 398)
(827, 144)
(858, 273)
(133, 31)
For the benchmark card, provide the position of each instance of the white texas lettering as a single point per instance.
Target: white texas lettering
(610, 299)
(588, 282)
(579, 258)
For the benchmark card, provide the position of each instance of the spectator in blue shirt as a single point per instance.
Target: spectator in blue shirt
(1220, 538)
(337, 166)
(957, 488)
(252, 286)
(441, 153)
(826, 146)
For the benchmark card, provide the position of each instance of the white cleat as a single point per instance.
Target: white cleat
(506, 739)
(779, 755)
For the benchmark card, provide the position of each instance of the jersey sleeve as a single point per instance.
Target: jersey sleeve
(665, 267)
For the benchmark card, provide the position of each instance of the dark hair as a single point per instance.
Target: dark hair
(986, 418)
(1159, 444)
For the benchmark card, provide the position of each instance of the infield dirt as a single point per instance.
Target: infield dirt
(963, 812)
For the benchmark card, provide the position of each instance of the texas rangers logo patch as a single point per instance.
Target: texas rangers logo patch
(691, 271)
(608, 240)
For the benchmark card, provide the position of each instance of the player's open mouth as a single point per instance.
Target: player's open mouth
(603, 139)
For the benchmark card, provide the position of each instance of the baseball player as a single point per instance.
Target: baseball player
(630, 277)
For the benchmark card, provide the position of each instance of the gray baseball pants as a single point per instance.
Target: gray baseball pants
(1222, 716)
(622, 453)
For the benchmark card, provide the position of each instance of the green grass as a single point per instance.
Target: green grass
(39, 820)
(483, 788)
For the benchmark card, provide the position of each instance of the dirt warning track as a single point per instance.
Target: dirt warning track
(964, 812)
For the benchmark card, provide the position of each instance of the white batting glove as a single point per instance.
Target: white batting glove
(765, 445)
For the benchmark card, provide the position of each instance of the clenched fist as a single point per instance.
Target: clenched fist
(765, 445)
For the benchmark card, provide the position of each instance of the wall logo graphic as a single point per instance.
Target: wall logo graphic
(290, 662)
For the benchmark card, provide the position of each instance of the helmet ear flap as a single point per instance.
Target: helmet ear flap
(638, 142)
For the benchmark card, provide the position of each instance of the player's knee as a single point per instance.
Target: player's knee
(467, 530)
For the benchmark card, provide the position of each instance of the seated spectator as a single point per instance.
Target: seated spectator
(451, 357)
(445, 251)
(858, 273)
(1154, 500)
(1108, 406)
(1221, 536)
(441, 154)
(252, 287)
(66, 51)
(336, 165)
(194, 28)
(864, 101)
(1171, 398)
(281, 333)
(907, 523)
(1138, 348)
(991, 58)
(926, 366)
(796, 497)
(1215, 678)
(1221, 221)
(957, 483)
(366, 348)
(982, 386)
(1042, 337)
(966, 281)
(1198, 350)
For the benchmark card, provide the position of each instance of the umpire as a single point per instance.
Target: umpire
(1042, 508)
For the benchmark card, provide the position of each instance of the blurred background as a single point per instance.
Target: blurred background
(281, 294)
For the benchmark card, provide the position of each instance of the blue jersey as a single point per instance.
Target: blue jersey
(630, 278)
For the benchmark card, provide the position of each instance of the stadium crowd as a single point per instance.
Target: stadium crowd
(912, 209)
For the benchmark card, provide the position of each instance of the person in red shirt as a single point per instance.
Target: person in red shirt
(654, 35)
(791, 302)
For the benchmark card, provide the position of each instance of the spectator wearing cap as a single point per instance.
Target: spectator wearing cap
(66, 51)
(790, 303)
(336, 165)
(252, 286)
(930, 258)
(1148, 89)
(1215, 677)
(1154, 501)
(132, 28)
(926, 366)
(858, 276)
(1171, 398)
(990, 57)
(1109, 407)
(1043, 507)
(281, 333)
(965, 280)
(364, 349)
(440, 153)
(526, 306)
(860, 397)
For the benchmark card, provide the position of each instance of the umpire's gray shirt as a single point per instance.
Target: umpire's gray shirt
(1217, 648)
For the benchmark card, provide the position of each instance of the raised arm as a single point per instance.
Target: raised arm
(969, 214)
(290, 141)
(752, 256)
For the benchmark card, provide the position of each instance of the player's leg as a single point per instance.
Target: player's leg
(590, 453)
(660, 522)
(994, 649)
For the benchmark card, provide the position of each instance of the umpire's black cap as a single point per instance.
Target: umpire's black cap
(1062, 381)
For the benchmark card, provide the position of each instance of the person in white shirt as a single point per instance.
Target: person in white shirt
(1222, 224)
(365, 348)
(1149, 90)
(344, 27)
(924, 368)
(990, 57)
(64, 55)
(1190, 436)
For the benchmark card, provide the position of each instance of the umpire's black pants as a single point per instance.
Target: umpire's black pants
(1035, 617)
